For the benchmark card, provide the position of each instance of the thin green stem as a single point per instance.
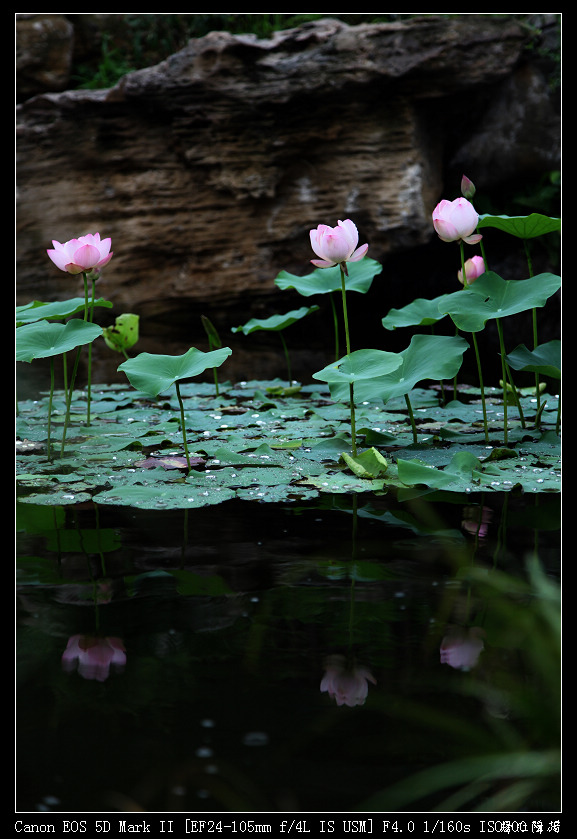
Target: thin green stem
(534, 315)
(480, 374)
(183, 425)
(48, 443)
(516, 396)
(411, 417)
(504, 376)
(64, 372)
(345, 315)
(353, 420)
(477, 356)
(348, 341)
(558, 423)
(286, 355)
(89, 317)
(69, 399)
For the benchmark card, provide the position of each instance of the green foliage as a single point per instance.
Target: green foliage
(112, 66)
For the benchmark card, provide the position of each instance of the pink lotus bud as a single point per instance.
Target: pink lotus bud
(467, 187)
(336, 245)
(85, 254)
(456, 220)
(474, 267)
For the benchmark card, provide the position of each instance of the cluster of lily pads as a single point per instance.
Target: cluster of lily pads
(372, 420)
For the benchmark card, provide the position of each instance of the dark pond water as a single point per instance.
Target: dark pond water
(179, 661)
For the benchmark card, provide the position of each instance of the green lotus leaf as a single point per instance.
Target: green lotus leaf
(42, 339)
(359, 366)
(544, 359)
(524, 227)
(434, 357)
(420, 312)
(275, 322)
(369, 464)
(325, 280)
(462, 469)
(37, 310)
(153, 374)
(490, 297)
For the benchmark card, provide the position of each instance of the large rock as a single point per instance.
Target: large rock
(209, 169)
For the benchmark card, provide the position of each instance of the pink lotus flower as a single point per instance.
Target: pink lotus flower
(347, 685)
(85, 254)
(94, 656)
(456, 220)
(336, 245)
(474, 267)
(461, 648)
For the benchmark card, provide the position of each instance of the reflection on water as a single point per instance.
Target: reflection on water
(288, 658)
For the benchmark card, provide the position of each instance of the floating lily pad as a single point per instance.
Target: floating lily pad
(292, 449)
(159, 497)
(169, 462)
(460, 474)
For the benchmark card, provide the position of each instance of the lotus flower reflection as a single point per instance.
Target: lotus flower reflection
(461, 648)
(93, 656)
(345, 684)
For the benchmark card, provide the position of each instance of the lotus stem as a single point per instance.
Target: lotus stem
(477, 356)
(183, 425)
(348, 340)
